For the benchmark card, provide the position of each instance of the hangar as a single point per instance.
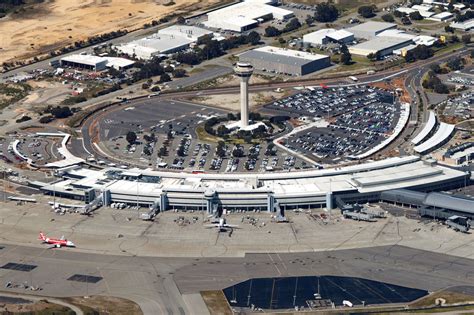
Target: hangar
(285, 61)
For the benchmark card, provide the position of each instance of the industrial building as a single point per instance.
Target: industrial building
(327, 35)
(369, 30)
(155, 45)
(269, 191)
(442, 17)
(95, 63)
(88, 62)
(284, 61)
(463, 26)
(382, 46)
(196, 34)
(245, 15)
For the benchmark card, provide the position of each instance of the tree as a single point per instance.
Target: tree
(181, 20)
(441, 88)
(211, 50)
(272, 31)
(131, 137)
(309, 20)
(165, 77)
(466, 39)
(222, 131)
(326, 12)
(220, 149)
(455, 64)
(472, 53)
(416, 16)
(398, 14)
(346, 56)
(388, 18)
(420, 52)
(253, 38)
(366, 11)
(61, 112)
(292, 25)
(435, 68)
(448, 29)
(189, 58)
(231, 116)
(179, 73)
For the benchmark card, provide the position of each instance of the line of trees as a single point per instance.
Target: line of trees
(212, 48)
(292, 25)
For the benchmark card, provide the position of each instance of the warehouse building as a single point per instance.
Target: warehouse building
(463, 26)
(442, 17)
(328, 35)
(95, 63)
(245, 15)
(156, 45)
(87, 62)
(382, 46)
(369, 30)
(193, 33)
(285, 61)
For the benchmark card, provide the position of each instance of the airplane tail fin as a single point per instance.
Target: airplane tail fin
(41, 236)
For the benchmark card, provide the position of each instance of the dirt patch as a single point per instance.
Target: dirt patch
(216, 302)
(54, 24)
(40, 307)
(106, 305)
(232, 101)
(450, 297)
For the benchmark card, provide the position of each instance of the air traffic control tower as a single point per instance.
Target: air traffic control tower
(244, 71)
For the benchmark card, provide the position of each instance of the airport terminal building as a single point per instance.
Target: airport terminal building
(268, 191)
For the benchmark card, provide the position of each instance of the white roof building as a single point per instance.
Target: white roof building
(441, 17)
(439, 137)
(96, 63)
(323, 36)
(191, 32)
(463, 26)
(158, 44)
(382, 45)
(245, 15)
(369, 30)
(84, 61)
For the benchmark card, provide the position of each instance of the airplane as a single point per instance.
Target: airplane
(221, 225)
(56, 243)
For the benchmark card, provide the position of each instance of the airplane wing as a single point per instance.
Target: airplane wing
(62, 238)
(231, 226)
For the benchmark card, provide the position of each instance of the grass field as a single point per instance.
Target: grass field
(216, 302)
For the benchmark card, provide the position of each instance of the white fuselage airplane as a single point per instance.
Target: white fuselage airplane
(56, 243)
(221, 225)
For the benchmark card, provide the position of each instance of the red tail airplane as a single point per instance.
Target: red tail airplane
(57, 243)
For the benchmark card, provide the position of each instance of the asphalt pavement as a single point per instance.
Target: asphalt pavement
(158, 284)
